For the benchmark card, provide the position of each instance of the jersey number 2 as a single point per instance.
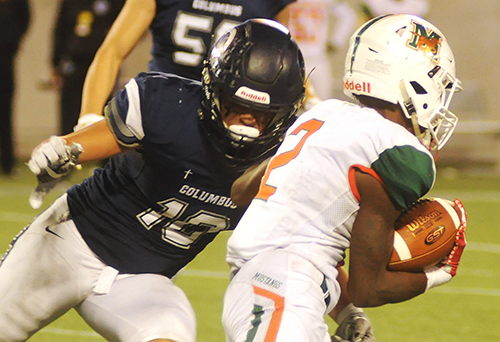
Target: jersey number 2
(267, 189)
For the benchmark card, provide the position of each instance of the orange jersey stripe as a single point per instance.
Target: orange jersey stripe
(352, 178)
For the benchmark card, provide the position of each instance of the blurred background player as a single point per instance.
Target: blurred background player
(80, 29)
(109, 246)
(374, 8)
(321, 28)
(182, 32)
(339, 181)
(14, 22)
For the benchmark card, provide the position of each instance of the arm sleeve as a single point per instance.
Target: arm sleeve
(407, 172)
(124, 116)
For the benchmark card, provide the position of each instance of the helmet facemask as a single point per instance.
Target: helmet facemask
(241, 145)
(433, 123)
(255, 66)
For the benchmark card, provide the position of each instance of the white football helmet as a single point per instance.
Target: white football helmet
(405, 60)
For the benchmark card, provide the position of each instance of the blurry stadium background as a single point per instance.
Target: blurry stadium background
(469, 168)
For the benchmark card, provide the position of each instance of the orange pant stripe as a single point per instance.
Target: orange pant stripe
(279, 306)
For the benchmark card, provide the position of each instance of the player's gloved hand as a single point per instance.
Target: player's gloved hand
(446, 270)
(354, 326)
(50, 161)
(53, 159)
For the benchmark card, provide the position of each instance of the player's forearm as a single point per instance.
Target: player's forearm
(247, 185)
(132, 22)
(401, 289)
(97, 142)
(344, 296)
(100, 81)
(372, 239)
(371, 284)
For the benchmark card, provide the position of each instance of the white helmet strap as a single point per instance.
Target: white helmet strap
(425, 137)
(407, 105)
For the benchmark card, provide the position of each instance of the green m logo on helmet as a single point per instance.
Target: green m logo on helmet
(427, 41)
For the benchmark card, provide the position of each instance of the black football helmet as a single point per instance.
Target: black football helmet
(256, 65)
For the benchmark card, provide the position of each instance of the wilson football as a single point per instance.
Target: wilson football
(424, 234)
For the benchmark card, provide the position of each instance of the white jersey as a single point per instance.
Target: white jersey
(293, 213)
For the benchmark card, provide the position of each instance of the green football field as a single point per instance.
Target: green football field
(466, 309)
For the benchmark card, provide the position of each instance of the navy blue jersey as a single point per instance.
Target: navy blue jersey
(154, 209)
(182, 30)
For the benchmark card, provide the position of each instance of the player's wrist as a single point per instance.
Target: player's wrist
(86, 120)
(436, 276)
(347, 311)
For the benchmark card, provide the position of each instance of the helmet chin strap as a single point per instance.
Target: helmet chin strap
(407, 105)
(410, 112)
(416, 127)
(424, 136)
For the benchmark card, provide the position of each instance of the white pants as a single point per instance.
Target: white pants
(278, 297)
(50, 269)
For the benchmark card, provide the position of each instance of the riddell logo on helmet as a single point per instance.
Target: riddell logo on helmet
(364, 87)
(253, 95)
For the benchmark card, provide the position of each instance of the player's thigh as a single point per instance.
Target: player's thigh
(140, 308)
(279, 301)
(40, 278)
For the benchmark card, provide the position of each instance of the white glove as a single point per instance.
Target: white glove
(354, 326)
(50, 161)
(48, 156)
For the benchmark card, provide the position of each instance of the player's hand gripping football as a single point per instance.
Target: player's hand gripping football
(50, 161)
(446, 270)
(354, 326)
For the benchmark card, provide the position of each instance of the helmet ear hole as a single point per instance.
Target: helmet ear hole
(418, 88)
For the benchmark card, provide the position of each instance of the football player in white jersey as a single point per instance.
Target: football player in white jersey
(339, 180)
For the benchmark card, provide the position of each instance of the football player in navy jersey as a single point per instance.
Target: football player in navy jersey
(109, 246)
(182, 33)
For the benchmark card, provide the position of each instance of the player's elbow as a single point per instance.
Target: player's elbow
(365, 293)
(362, 300)
(109, 53)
